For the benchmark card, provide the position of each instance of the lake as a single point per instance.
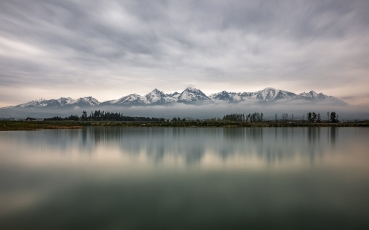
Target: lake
(185, 178)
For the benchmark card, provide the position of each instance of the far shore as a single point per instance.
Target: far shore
(37, 125)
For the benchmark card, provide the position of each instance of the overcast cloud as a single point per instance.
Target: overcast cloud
(108, 49)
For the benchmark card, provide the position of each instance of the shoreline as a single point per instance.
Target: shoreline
(37, 125)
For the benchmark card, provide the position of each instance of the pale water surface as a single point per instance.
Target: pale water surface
(185, 178)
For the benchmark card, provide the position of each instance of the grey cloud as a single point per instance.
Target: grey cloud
(287, 44)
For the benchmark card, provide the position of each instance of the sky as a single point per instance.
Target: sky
(109, 49)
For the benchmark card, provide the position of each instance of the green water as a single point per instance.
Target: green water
(185, 178)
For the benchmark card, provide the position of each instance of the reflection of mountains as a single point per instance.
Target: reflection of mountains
(191, 144)
(272, 144)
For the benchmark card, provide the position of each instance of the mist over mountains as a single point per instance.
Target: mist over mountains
(193, 103)
(188, 96)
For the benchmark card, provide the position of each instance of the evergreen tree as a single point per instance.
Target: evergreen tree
(84, 116)
(333, 117)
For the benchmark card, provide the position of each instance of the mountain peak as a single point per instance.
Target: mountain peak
(313, 95)
(61, 102)
(156, 96)
(88, 97)
(269, 94)
(269, 88)
(192, 89)
(190, 95)
(156, 90)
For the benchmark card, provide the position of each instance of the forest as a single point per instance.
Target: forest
(256, 117)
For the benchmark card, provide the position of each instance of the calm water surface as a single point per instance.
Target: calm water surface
(185, 178)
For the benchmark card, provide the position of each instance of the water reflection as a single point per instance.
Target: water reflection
(114, 178)
(333, 136)
(190, 144)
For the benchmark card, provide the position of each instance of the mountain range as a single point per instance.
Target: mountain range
(188, 96)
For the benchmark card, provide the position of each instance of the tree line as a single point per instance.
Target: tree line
(259, 117)
(254, 117)
(316, 117)
(99, 115)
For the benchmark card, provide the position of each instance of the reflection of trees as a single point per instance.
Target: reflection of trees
(271, 144)
(194, 154)
(333, 131)
(157, 153)
(191, 144)
(256, 134)
(84, 137)
(234, 134)
(312, 142)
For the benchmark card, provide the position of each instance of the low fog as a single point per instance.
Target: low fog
(204, 111)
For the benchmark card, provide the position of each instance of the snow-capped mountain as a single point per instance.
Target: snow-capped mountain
(126, 100)
(61, 102)
(158, 97)
(174, 95)
(312, 95)
(191, 95)
(188, 96)
(270, 95)
(154, 97)
(267, 94)
(85, 101)
(222, 96)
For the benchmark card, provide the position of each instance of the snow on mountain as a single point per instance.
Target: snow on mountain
(129, 99)
(223, 96)
(174, 95)
(34, 103)
(270, 94)
(154, 97)
(61, 102)
(188, 96)
(158, 97)
(42, 103)
(229, 96)
(193, 95)
(85, 101)
(267, 94)
(313, 95)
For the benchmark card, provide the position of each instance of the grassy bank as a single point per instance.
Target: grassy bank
(35, 125)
